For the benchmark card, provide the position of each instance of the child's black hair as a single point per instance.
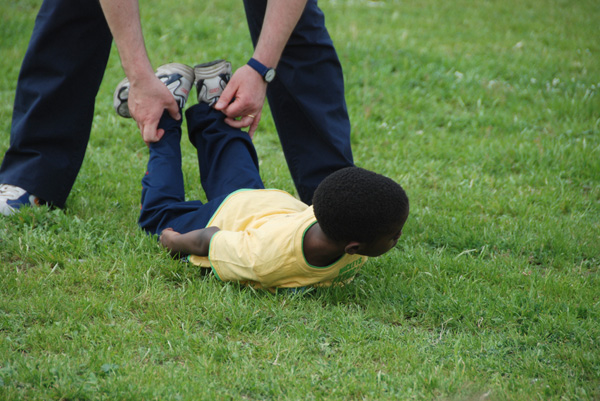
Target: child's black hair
(354, 204)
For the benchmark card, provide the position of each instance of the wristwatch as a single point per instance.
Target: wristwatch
(267, 73)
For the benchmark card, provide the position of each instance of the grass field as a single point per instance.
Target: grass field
(487, 112)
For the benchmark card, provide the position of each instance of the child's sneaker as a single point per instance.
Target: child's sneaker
(211, 79)
(12, 198)
(179, 78)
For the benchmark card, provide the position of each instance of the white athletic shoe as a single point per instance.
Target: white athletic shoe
(179, 78)
(211, 79)
(13, 197)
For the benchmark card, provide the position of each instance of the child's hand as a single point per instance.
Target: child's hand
(195, 242)
(167, 238)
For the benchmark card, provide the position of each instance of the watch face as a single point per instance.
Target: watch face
(270, 74)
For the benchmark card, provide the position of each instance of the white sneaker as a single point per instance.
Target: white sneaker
(12, 198)
(211, 79)
(179, 78)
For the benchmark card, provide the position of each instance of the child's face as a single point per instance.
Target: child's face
(381, 245)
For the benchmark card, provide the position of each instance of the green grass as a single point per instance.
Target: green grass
(487, 112)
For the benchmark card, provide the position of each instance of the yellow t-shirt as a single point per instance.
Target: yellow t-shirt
(260, 243)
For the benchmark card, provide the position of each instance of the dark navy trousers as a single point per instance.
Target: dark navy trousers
(54, 102)
(64, 66)
(307, 100)
(227, 161)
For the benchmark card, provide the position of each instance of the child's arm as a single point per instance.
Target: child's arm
(193, 243)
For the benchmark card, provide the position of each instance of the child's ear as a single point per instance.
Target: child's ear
(352, 247)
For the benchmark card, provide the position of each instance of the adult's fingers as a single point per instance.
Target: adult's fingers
(254, 126)
(243, 122)
(227, 96)
(150, 132)
(173, 109)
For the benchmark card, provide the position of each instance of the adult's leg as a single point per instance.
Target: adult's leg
(226, 155)
(307, 99)
(54, 103)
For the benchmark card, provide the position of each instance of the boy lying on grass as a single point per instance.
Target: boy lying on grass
(244, 232)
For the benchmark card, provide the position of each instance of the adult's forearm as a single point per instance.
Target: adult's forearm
(281, 18)
(123, 17)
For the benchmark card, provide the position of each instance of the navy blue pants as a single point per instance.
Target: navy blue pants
(64, 66)
(227, 161)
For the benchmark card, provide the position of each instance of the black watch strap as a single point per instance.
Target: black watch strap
(267, 73)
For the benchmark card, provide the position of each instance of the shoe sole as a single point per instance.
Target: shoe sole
(211, 69)
(180, 82)
(121, 95)
(120, 98)
(177, 68)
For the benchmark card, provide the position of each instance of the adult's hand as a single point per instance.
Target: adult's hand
(148, 98)
(243, 99)
(244, 95)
